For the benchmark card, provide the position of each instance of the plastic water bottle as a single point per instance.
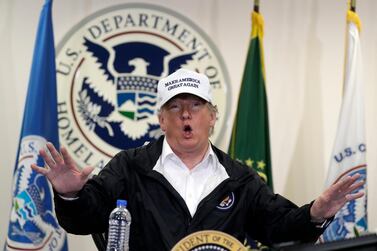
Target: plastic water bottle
(119, 227)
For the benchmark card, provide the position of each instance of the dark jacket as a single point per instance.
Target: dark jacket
(241, 204)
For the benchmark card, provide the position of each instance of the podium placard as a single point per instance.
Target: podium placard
(209, 240)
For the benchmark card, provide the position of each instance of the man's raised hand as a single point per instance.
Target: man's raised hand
(61, 170)
(335, 197)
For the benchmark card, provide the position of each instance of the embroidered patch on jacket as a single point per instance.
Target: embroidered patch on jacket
(227, 202)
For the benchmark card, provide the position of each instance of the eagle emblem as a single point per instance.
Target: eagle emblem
(121, 106)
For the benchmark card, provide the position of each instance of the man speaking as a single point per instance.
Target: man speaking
(181, 183)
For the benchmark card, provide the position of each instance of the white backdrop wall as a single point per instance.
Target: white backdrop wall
(304, 55)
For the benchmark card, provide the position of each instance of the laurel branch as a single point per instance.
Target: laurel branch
(89, 112)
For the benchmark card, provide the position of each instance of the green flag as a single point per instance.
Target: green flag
(250, 135)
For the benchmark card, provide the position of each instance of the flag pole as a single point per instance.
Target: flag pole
(256, 6)
(353, 5)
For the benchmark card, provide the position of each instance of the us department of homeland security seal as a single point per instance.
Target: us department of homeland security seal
(108, 67)
(33, 224)
(209, 240)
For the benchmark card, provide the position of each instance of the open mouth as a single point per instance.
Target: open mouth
(187, 128)
(187, 131)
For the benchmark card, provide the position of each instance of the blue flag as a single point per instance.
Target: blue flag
(32, 224)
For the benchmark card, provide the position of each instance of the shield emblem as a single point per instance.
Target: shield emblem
(136, 96)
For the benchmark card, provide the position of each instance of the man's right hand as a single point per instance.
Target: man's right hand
(61, 170)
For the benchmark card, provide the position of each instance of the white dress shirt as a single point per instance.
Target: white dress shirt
(193, 185)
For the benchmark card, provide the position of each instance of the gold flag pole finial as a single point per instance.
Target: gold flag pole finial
(353, 5)
(256, 6)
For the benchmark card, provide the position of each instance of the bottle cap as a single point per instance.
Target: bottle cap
(122, 203)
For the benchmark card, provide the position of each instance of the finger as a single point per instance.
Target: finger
(67, 157)
(353, 196)
(352, 179)
(355, 177)
(40, 170)
(54, 153)
(355, 186)
(351, 184)
(47, 158)
(343, 184)
(86, 171)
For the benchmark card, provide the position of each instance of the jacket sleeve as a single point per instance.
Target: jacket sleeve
(274, 219)
(89, 213)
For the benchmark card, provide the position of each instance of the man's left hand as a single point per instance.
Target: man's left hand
(335, 197)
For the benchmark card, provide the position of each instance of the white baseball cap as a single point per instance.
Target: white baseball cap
(183, 81)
